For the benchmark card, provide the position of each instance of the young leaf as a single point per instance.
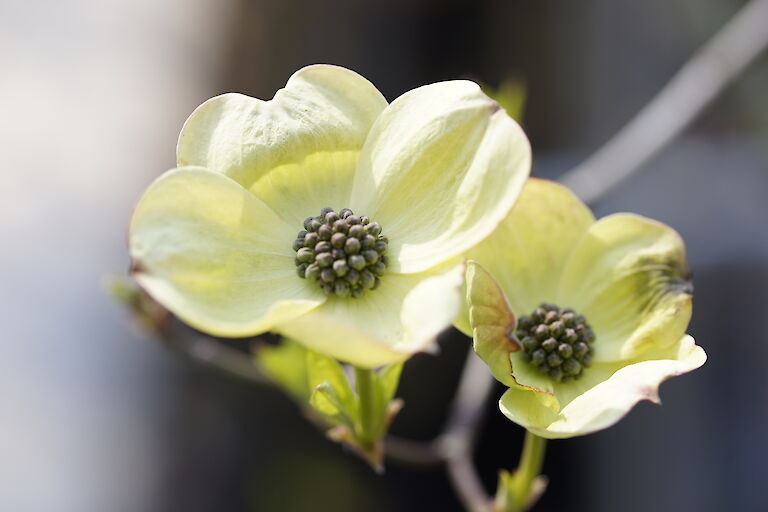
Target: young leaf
(286, 366)
(325, 400)
(385, 386)
(321, 368)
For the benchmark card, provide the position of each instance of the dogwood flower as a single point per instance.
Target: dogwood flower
(581, 319)
(326, 214)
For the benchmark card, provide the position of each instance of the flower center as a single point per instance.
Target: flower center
(345, 254)
(557, 341)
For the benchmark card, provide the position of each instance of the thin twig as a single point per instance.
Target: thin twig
(458, 439)
(689, 92)
(213, 353)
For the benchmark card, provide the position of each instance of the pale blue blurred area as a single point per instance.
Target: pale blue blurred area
(92, 94)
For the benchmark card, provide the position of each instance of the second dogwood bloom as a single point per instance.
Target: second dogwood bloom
(581, 319)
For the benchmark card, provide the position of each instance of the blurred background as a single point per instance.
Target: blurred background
(96, 416)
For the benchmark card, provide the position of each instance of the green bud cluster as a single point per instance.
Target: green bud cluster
(345, 254)
(557, 341)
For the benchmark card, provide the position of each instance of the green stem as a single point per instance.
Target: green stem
(531, 462)
(364, 385)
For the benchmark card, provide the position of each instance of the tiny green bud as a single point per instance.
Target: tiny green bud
(311, 239)
(305, 255)
(380, 246)
(352, 246)
(331, 217)
(525, 322)
(340, 267)
(353, 219)
(324, 259)
(554, 360)
(364, 220)
(314, 224)
(340, 226)
(530, 343)
(570, 336)
(325, 211)
(549, 344)
(357, 231)
(301, 269)
(571, 367)
(367, 279)
(313, 271)
(346, 212)
(322, 246)
(379, 268)
(298, 244)
(580, 349)
(370, 256)
(565, 350)
(541, 332)
(341, 288)
(368, 242)
(357, 292)
(324, 232)
(556, 328)
(356, 261)
(308, 223)
(352, 277)
(338, 239)
(327, 275)
(556, 374)
(374, 228)
(538, 356)
(550, 317)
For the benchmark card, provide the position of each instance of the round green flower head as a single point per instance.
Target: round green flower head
(580, 318)
(557, 341)
(328, 215)
(343, 253)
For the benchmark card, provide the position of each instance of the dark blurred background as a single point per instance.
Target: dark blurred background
(97, 417)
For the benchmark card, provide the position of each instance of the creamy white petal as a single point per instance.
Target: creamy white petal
(216, 256)
(440, 169)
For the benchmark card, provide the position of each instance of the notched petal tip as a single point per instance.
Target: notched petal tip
(608, 401)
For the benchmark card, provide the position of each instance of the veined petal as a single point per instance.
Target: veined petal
(629, 277)
(296, 152)
(399, 318)
(491, 322)
(440, 169)
(606, 402)
(529, 249)
(216, 256)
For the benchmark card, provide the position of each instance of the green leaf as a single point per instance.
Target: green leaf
(321, 368)
(326, 401)
(385, 382)
(492, 322)
(286, 365)
(506, 499)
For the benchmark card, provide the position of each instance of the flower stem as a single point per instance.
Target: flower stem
(531, 462)
(364, 385)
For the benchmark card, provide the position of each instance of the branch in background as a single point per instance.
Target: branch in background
(689, 92)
